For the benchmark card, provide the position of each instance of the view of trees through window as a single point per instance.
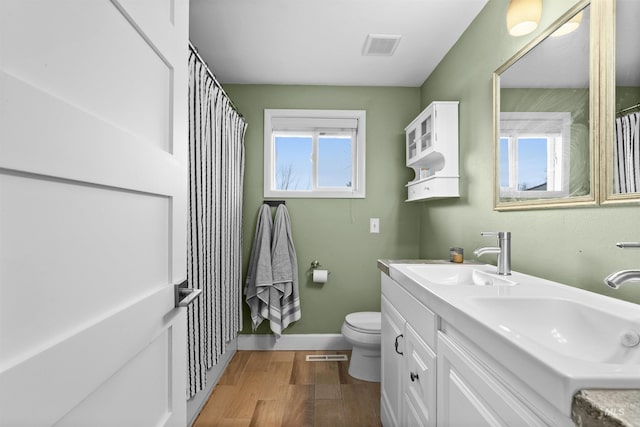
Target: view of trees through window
(294, 161)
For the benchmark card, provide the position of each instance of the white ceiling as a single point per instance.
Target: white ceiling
(319, 42)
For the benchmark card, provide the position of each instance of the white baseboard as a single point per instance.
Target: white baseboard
(293, 342)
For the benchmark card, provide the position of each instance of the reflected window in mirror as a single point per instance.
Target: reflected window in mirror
(534, 155)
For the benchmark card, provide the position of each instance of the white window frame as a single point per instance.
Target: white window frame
(556, 128)
(315, 121)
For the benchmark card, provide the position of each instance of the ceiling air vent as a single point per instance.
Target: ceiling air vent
(381, 44)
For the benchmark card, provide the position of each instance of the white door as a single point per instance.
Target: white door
(92, 212)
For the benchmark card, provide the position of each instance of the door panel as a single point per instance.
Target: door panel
(392, 364)
(95, 226)
(140, 387)
(86, 43)
(420, 377)
(46, 135)
(468, 394)
(93, 180)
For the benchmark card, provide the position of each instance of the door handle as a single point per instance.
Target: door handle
(399, 336)
(185, 295)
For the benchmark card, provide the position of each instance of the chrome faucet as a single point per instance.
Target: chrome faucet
(503, 250)
(616, 279)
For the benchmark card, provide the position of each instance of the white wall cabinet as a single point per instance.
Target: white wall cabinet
(432, 152)
(442, 378)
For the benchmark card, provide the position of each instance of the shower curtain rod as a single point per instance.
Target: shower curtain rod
(195, 51)
(633, 107)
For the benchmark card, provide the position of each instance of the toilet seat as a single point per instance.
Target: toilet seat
(365, 322)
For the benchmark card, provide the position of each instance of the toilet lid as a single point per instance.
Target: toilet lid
(366, 321)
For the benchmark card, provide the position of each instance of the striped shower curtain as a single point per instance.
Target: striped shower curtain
(627, 154)
(214, 264)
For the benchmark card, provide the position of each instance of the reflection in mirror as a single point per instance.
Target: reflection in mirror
(543, 152)
(534, 154)
(626, 139)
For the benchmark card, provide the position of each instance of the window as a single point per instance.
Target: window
(314, 153)
(534, 154)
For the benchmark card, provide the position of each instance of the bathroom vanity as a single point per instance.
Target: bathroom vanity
(462, 345)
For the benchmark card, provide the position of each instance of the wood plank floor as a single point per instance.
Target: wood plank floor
(280, 388)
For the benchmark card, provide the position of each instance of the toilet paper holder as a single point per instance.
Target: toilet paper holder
(318, 276)
(315, 264)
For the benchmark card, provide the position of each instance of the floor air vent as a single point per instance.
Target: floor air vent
(326, 357)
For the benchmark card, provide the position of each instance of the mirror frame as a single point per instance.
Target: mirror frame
(607, 12)
(595, 30)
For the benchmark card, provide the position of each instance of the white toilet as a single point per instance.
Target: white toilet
(362, 330)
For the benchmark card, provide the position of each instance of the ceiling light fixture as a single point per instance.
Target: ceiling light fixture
(523, 16)
(570, 26)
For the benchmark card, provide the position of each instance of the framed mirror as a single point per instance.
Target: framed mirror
(544, 134)
(621, 100)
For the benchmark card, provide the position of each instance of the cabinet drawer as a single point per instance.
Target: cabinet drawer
(433, 187)
(423, 320)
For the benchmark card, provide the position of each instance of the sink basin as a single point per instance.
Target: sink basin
(567, 327)
(457, 274)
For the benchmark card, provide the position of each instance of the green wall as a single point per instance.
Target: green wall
(570, 245)
(575, 246)
(336, 231)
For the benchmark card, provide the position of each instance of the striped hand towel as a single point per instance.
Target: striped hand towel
(259, 276)
(284, 266)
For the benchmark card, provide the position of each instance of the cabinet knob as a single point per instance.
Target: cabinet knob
(414, 376)
(399, 352)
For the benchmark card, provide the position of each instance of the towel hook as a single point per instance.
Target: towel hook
(315, 263)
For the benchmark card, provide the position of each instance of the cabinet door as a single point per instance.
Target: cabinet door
(468, 395)
(420, 136)
(412, 145)
(392, 347)
(412, 416)
(426, 133)
(420, 380)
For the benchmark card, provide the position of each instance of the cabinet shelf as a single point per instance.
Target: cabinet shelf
(432, 151)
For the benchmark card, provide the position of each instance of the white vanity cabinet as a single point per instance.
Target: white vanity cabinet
(435, 375)
(408, 392)
(432, 152)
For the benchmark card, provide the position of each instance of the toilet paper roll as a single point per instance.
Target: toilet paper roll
(320, 276)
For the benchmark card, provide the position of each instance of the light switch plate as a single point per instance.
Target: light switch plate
(374, 225)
